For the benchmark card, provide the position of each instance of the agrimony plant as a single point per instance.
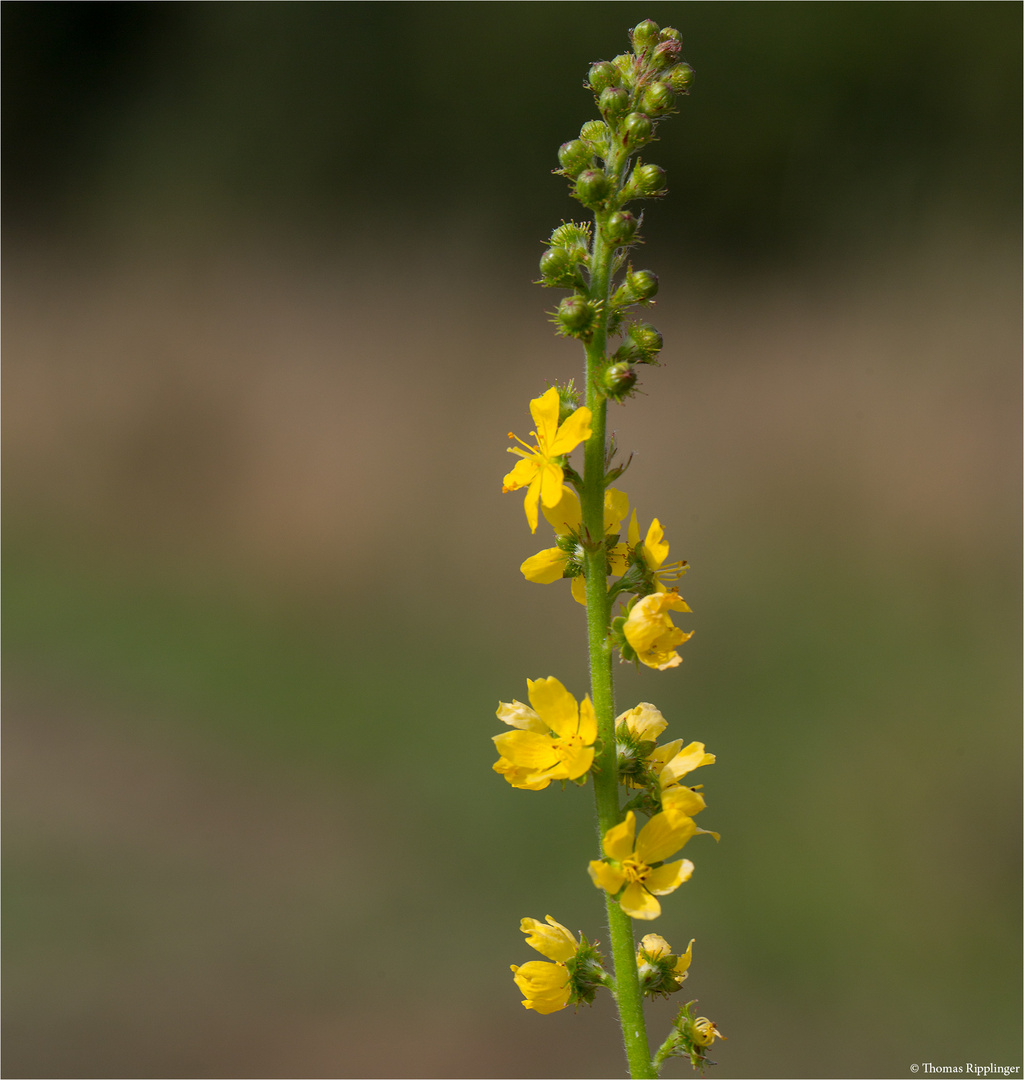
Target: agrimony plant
(626, 584)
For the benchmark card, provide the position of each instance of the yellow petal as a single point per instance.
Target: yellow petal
(637, 903)
(618, 840)
(531, 501)
(553, 941)
(662, 755)
(689, 758)
(661, 837)
(616, 506)
(644, 721)
(579, 589)
(575, 430)
(605, 876)
(577, 762)
(544, 410)
(669, 877)
(551, 477)
(527, 749)
(655, 548)
(682, 801)
(518, 777)
(618, 559)
(523, 472)
(521, 716)
(654, 945)
(634, 531)
(565, 516)
(685, 959)
(554, 705)
(545, 567)
(588, 722)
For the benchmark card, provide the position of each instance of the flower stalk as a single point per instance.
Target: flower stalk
(554, 738)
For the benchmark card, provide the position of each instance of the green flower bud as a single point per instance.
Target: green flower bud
(602, 75)
(679, 78)
(574, 236)
(592, 188)
(644, 36)
(670, 33)
(626, 66)
(575, 156)
(645, 181)
(613, 102)
(637, 129)
(657, 99)
(575, 315)
(647, 340)
(620, 227)
(568, 400)
(666, 55)
(558, 268)
(642, 283)
(596, 132)
(617, 381)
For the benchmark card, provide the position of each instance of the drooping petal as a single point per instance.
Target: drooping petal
(689, 758)
(605, 876)
(521, 716)
(638, 903)
(554, 705)
(685, 959)
(669, 877)
(524, 470)
(565, 516)
(616, 506)
(662, 836)
(682, 801)
(518, 777)
(618, 840)
(545, 567)
(575, 430)
(544, 410)
(544, 986)
(579, 589)
(655, 547)
(530, 504)
(588, 721)
(553, 941)
(528, 749)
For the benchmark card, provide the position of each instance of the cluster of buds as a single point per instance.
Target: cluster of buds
(632, 92)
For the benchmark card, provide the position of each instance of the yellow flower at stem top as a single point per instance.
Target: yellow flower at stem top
(652, 634)
(554, 739)
(628, 862)
(537, 471)
(654, 551)
(546, 987)
(566, 518)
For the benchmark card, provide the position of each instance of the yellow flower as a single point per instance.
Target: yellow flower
(628, 863)
(654, 551)
(536, 470)
(652, 634)
(566, 519)
(654, 948)
(531, 757)
(546, 987)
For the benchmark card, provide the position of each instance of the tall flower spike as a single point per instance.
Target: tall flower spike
(531, 758)
(538, 471)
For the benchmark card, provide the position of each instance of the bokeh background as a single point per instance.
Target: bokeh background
(269, 318)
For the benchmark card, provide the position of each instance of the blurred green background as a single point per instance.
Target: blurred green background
(269, 318)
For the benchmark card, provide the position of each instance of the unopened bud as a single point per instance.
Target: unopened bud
(602, 75)
(643, 283)
(644, 36)
(679, 78)
(592, 188)
(666, 54)
(575, 156)
(620, 227)
(618, 380)
(637, 129)
(596, 132)
(614, 101)
(575, 314)
(657, 99)
(557, 267)
(670, 33)
(645, 181)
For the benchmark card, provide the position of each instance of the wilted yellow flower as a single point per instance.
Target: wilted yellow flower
(661, 976)
(704, 1032)
(652, 634)
(567, 520)
(531, 757)
(628, 862)
(545, 987)
(654, 551)
(536, 470)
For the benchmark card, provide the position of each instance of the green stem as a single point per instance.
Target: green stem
(606, 781)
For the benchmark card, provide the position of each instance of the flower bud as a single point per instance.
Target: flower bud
(592, 188)
(679, 78)
(626, 66)
(645, 181)
(596, 132)
(602, 75)
(643, 283)
(558, 267)
(575, 156)
(620, 227)
(644, 36)
(648, 340)
(637, 129)
(575, 314)
(670, 33)
(666, 54)
(657, 99)
(613, 102)
(617, 381)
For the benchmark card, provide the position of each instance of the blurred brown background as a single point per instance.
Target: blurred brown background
(269, 317)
